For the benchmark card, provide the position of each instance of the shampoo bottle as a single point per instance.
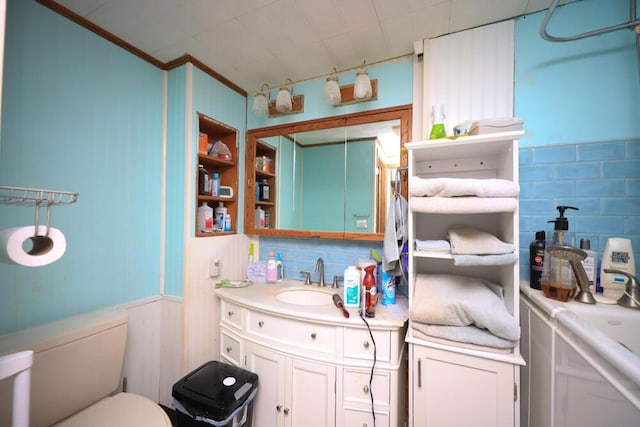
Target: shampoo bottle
(215, 185)
(351, 287)
(220, 216)
(271, 267)
(536, 260)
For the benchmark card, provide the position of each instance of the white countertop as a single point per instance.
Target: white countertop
(261, 296)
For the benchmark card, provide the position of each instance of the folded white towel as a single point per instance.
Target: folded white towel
(433, 245)
(455, 187)
(467, 240)
(477, 260)
(462, 334)
(462, 205)
(453, 300)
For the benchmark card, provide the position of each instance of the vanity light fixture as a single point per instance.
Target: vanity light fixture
(261, 103)
(283, 101)
(332, 89)
(362, 88)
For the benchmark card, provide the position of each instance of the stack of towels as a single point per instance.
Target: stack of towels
(466, 310)
(470, 246)
(462, 195)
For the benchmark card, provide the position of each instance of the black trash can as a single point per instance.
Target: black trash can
(215, 394)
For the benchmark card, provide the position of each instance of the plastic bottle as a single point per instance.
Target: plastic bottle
(536, 260)
(617, 255)
(271, 267)
(370, 291)
(558, 280)
(205, 218)
(227, 222)
(215, 184)
(259, 218)
(351, 287)
(220, 215)
(279, 268)
(590, 263)
(264, 191)
(203, 178)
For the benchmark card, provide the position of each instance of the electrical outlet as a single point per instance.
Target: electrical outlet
(214, 267)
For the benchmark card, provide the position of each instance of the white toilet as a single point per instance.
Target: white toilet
(76, 370)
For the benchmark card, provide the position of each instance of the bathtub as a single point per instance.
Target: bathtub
(583, 363)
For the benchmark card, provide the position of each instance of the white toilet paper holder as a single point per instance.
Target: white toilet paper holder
(20, 196)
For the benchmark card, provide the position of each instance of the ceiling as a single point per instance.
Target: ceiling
(251, 42)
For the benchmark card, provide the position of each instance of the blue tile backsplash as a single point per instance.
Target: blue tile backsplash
(602, 179)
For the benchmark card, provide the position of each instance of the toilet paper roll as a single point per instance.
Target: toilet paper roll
(19, 246)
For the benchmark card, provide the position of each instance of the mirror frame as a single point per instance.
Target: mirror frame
(402, 112)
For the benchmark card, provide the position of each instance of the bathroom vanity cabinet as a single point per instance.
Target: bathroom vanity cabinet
(215, 131)
(450, 383)
(314, 366)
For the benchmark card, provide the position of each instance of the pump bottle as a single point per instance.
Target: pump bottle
(271, 267)
(370, 291)
(558, 281)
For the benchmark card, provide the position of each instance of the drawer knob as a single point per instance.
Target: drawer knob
(365, 344)
(365, 389)
(231, 313)
(313, 335)
(279, 408)
(261, 323)
(229, 349)
(286, 411)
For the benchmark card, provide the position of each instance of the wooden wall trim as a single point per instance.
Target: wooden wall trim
(83, 22)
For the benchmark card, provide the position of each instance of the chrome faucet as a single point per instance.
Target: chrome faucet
(631, 296)
(575, 256)
(320, 269)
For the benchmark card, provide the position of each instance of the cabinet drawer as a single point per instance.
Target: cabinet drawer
(358, 344)
(356, 387)
(310, 336)
(364, 419)
(231, 313)
(230, 348)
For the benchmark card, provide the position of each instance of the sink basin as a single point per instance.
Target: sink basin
(304, 297)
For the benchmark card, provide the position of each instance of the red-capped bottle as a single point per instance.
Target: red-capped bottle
(370, 291)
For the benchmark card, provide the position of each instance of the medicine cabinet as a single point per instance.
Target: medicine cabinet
(328, 178)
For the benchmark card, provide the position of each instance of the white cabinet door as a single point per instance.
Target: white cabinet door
(451, 390)
(312, 397)
(268, 409)
(291, 392)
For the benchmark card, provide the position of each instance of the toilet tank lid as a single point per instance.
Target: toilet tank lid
(53, 334)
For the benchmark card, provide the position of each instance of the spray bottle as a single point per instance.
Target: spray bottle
(370, 292)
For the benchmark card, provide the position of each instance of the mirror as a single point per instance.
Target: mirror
(334, 178)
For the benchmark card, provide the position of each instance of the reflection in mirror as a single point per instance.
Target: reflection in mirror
(337, 179)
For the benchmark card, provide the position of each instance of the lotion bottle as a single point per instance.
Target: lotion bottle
(271, 267)
(351, 287)
(590, 263)
(279, 269)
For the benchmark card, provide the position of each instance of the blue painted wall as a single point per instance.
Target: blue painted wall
(580, 102)
(80, 114)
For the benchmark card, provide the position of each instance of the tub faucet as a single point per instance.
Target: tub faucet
(320, 269)
(575, 256)
(631, 296)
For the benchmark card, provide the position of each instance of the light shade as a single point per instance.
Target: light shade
(283, 101)
(362, 87)
(332, 89)
(260, 105)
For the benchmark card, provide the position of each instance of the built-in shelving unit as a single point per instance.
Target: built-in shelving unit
(485, 380)
(261, 161)
(226, 168)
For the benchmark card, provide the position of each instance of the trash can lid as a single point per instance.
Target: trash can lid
(215, 389)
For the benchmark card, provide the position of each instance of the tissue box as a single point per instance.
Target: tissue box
(504, 124)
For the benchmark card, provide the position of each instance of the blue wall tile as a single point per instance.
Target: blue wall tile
(604, 151)
(621, 169)
(554, 154)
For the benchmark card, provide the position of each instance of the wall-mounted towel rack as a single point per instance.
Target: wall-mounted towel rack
(33, 196)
